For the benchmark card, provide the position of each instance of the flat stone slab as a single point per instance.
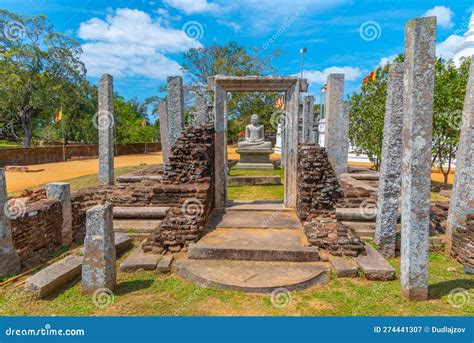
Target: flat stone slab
(375, 266)
(136, 225)
(254, 166)
(343, 266)
(253, 276)
(164, 264)
(140, 212)
(254, 180)
(365, 214)
(258, 205)
(139, 260)
(53, 277)
(275, 219)
(254, 245)
(368, 176)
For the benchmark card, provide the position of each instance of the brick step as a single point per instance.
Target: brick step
(254, 245)
(140, 212)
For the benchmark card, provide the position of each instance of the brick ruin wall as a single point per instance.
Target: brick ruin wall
(463, 243)
(318, 193)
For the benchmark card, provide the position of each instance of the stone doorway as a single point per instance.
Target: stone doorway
(291, 86)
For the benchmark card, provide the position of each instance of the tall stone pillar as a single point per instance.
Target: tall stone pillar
(308, 134)
(391, 166)
(106, 123)
(220, 156)
(9, 260)
(175, 106)
(164, 132)
(291, 144)
(418, 95)
(98, 266)
(462, 198)
(62, 191)
(336, 137)
(201, 110)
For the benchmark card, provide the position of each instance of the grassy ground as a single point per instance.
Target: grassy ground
(148, 293)
(7, 144)
(91, 180)
(270, 192)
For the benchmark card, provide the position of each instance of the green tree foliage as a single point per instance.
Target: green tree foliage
(450, 90)
(232, 59)
(37, 66)
(131, 122)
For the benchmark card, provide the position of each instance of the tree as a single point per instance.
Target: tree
(232, 59)
(35, 63)
(449, 93)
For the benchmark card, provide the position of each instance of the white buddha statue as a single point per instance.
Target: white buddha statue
(254, 136)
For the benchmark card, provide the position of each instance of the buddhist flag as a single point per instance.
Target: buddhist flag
(371, 77)
(58, 117)
(280, 103)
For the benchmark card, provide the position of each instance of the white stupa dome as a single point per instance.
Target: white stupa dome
(467, 48)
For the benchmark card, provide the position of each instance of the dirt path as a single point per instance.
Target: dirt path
(71, 169)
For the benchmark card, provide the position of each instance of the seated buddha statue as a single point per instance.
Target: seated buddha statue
(254, 136)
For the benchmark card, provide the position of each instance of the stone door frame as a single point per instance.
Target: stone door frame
(292, 86)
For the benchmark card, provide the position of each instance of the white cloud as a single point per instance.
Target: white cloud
(443, 14)
(386, 60)
(193, 6)
(131, 43)
(320, 77)
(446, 48)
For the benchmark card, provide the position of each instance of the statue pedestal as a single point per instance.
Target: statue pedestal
(254, 159)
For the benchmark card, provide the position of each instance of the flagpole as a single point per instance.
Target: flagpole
(62, 130)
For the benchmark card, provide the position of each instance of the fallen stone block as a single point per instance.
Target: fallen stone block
(123, 242)
(374, 265)
(343, 266)
(164, 264)
(139, 260)
(55, 276)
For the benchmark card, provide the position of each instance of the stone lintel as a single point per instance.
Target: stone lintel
(256, 83)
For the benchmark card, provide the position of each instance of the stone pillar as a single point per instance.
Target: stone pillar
(164, 132)
(201, 109)
(98, 266)
(106, 123)
(175, 107)
(220, 156)
(420, 45)
(62, 191)
(391, 166)
(336, 136)
(462, 198)
(291, 144)
(308, 135)
(9, 260)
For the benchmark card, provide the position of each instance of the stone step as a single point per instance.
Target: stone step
(264, 219)
(257, 205)
(254, 180)
(252, 276)
(140, 212)
(361, 214)
(343, 266)
(136, 226)
(139, 260)
(254, 245)
(363, 176)
(374, 265)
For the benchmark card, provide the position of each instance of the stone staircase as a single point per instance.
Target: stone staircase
(253, 247)
(138, 221)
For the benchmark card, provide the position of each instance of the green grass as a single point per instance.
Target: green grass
(91, 180)
(437, 197)
(149, 293)
(8, 144)
(248, 193)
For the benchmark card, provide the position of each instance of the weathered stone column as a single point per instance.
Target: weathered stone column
(308, 135)
(420, 45)
(291, 144)
(164, 132)
(391, 166)
(200, 117)
(9, 260)
(175, 103)
(62, 191)
(220, 156)
(336, 137)
(106, 123)
(98, 266)
(462, 198)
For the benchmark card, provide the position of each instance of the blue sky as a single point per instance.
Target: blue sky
(140, 42)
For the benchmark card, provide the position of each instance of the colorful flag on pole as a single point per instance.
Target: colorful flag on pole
(58, 117)
(280, 103)
(371, 77)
